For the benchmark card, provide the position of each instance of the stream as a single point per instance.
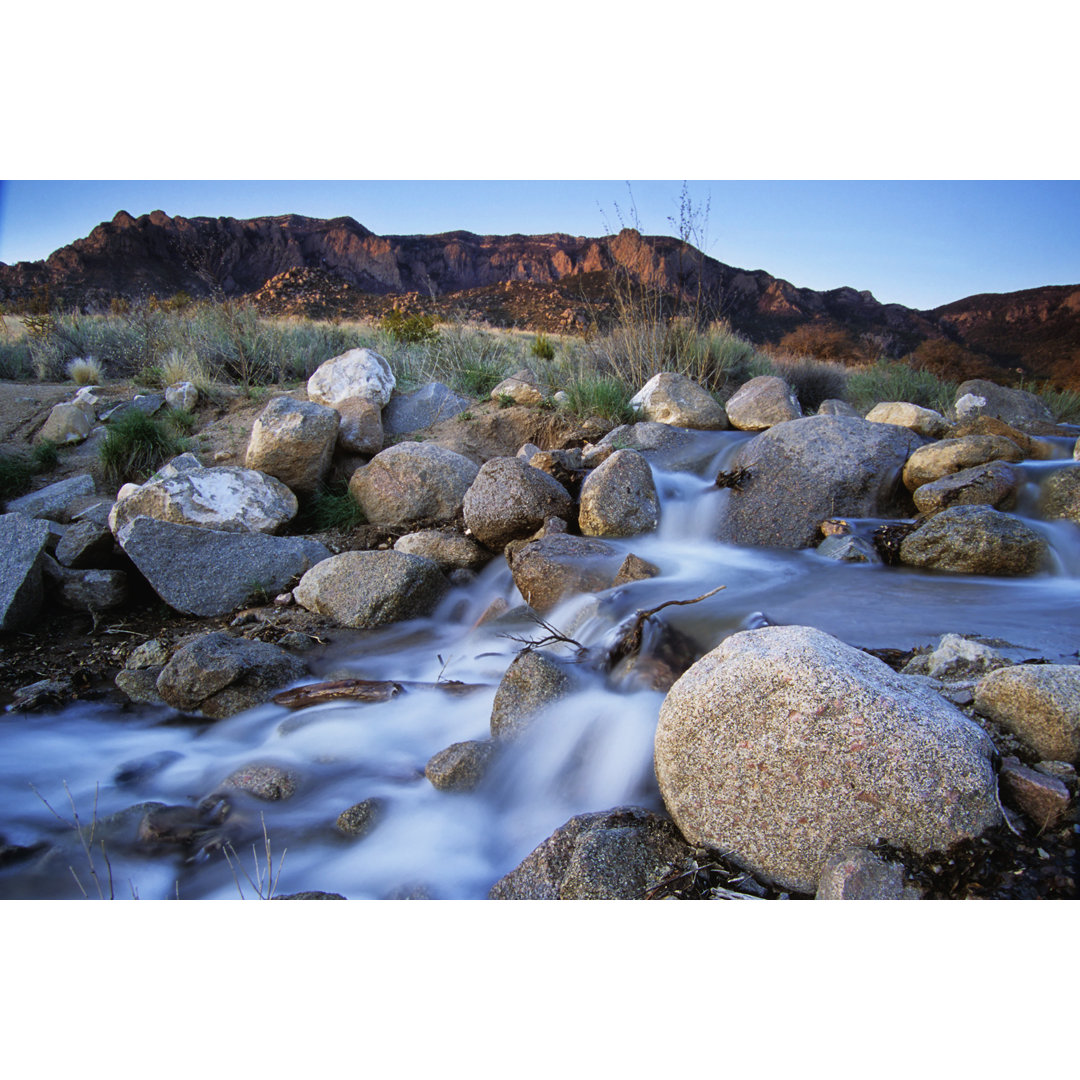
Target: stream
(91, 760)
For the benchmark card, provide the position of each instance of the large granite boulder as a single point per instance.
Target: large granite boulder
(534, 681)
(619, 497)
(412, 482)
(669, 398)
(293, 441)
(510, 500)
(762, 403)
(358, 373)
(422, 408)
(22, 547)
(975, 540)
(784, 746)
(979, 397)
(938, 459)
(800, 473)
(922, 421)
(554, 567)
(361, 428)
(1039, 703)
(66, 424)
(994, 484)
(450, 549)
(55, 501)
(1059, 496)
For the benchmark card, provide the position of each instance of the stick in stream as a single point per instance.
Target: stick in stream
(630, 641)
(370, 690)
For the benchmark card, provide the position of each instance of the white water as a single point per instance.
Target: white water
(595, 753)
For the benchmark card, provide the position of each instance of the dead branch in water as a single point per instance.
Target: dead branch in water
(369, 690)
(554, 636)
(629, 641)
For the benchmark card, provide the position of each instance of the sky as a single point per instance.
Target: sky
(918, 243)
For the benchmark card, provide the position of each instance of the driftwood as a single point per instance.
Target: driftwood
(629, 640)
(369, 690)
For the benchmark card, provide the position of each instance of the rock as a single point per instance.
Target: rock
(663, 445)
(140, 686)
(522, 387)
(422, 408)
(668, 398)
(955, 657)
(619, 498)
(92, 590)
(365, 589)
(531, 683)
(1059, 496)
(293, 441)
(93, 508)
(932, 462)
(361, 818)
(148, 403)
(359, 373)
(989, 425)
(1039, 703)
(182, 463)
(975, 540)
(1044, 799)
(220, 675)
(223, 498)
(979, 397)
(612, 855)
(762, 403)
(805, 471)
(547, 570)
(66, 424)
(449, 549)
(183, 396)
(460, 767)
(53, 502)
(271, 783)
(510, 500)
(847, 548)
(22, 548)
(993, 484)
(311, 896)
(922, 421)
(834, 407)
(857, 874)
(361, 430)
(149, 654)
(635, 568)
(86, 545)
(88, 398)
(247, 566)
(412, 482)
(784, 745)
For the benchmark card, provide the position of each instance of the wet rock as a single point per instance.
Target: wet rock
(1059, 496)
(53, 502)
(422, 408)
(806, 471)
(612, 855)
(1044, 799)
(955, 657)
(449, 549)
(311, 896)
(762, 403)
(22, 547)
(532, 682)
(86, 545)
(140, 685)
(365, 589)
(43, 694)
(170, 825)
(848, 548)
(784, 745)
(979, 397)
(834, 407)
(932, 462)
(619, 498)
(293, 441)
(669, 398)
(994, 484)
(635, 568)
(1039, 703)
(219, 675)
(547, 570)
(662, 444)
(461, 766)
(858, 874)
(413, 482)
(510, 500)
(145, 768)
(922, 421)
(66, 424)
(975, 540)
(271, 783)
(522, 388)
(183, 396)
(222, 498)
(989, 425)
(361, 428)
(174, 558)
(361, 373)
(361, 818)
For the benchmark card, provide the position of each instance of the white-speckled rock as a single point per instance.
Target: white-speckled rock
(619, 497)
(669, 398)
(762, 403)
(359, 373)
(1039, 703)
(926, 422)
(294, 442)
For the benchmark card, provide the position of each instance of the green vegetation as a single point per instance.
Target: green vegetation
(136, 444)
(542, 348)
(893, 380)
(332, 507)
(19, 467)
(1064, 404)
(408, 329)
(600, 395)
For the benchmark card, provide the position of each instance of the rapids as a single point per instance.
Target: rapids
(90, 760)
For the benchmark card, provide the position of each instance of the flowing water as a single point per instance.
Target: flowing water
(93, 761)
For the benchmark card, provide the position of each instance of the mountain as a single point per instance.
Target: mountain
(553, 281)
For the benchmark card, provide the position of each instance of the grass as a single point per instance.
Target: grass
(813, 381)
(136, 445)
(893, 380)
(328, 508)
(600, 395)
(19, 467)
(1063, 404)
(85, 371)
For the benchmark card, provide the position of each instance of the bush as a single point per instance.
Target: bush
(893, 380)
(600, 395)
(85, 371)
(813, 381)
(408, 329)
(136, 445)
(328, 508)
(822, 341)
(542, 348)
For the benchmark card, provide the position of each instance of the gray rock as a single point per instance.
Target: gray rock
(148, 403)
(1039, 703)
(975, 540)
(858, 874)
(835, 407)
(531, 683)
(979, 397)
(547, 570)
(922, 421)
(805, 471)
(361, 429)
(619, 497)
(938, 459)
(183, 396)
(1059, 496)
(174, 560)
(955, 657)
(761, 403)
(413, 482)
(22, 548)
(450, 549)
(359, 373)
(460, 767)
(264, 781)
(848, 548)
(360, 818)
(993, 484)
(52, 502)
(311, 896)
(92, 590)
(86, 545)
(669, 398)
(65, 424)
(635, 568)
(219, 675)
(662, 444)
(422, 408)
(149, 654)
(43, 694)
(294, 442)
(365, 589)
(510, 500)
(612, 855)
(784, 745)
(140, 685)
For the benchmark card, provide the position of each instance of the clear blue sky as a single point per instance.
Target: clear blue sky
(919, 243)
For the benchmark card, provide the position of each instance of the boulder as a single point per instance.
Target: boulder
(668, 398)
(662, 444)
(612, 855)
(522, 388)
(262, 780)
(635, 568)
(219, 675)
(938, 459)
(91, 590)
(293, 441)
(224, 498)
(449, 549)
(835, 407)
(22, 549)
(994, 484)
(460, 767)
(531, 683)
(619, 497)
(365, 589)
(1039, 449)
(762, 403)
(183, 396)
(1039, 703)
(975, 540)
(53, 502)
(361, 430)
(979, 397)
(547, 570)
(955, 657)
(922, 421)
(174, 559)
(86, 545)
(359, 373)
(805, 471)
(1059, 495)
(784, 746)
(510, 500)
(412, 482)
(422, 408)
(1044, 799)
(66, 424)
(857, 874)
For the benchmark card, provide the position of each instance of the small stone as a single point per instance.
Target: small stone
(361, 818)
(1042, 798)
(858, 874)
(461, 766)
(635, 568)
(262, 781)
(44, 694)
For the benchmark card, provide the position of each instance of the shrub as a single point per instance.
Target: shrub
(408, 329)
(136, 445)
(893, 380)
(85, 371)
(542, 348)
(328, 508)
(813, 381)
(600, 395)
(1064, 404)
(823, 341)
